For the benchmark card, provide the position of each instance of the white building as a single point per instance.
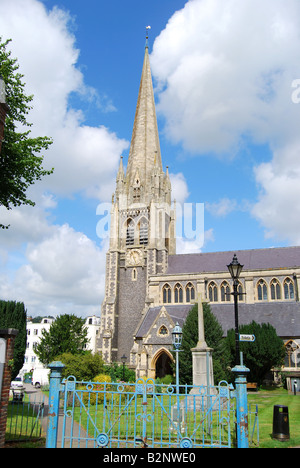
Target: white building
(93, 326)
(34, 335)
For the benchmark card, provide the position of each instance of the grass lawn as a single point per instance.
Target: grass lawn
(266, 400)
(23, 429)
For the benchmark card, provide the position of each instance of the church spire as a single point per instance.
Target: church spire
(145, 147)
(120, 175)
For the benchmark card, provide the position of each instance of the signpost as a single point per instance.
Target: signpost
(249, 338)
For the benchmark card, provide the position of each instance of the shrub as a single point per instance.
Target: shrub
(96, 390)
(83, 367)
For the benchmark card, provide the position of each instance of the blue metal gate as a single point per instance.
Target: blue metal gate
(143, 414)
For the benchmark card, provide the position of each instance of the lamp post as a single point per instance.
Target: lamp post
(124, 359)
(235, 269)
(176, 341)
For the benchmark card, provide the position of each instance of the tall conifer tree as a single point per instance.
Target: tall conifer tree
(13, 315)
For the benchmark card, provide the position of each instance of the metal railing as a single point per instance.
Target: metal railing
(24, 418)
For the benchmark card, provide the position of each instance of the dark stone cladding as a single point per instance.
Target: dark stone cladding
(131, 302)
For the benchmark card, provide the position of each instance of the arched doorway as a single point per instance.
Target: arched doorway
(163, 365)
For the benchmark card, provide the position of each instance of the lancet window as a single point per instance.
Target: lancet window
(225, 292)
(130, 232)
(178, 293)
(143, 227)
(288, 287)
(213, 292)
(189, 292)
(167, 294)
(240, 291)
(262, 290)
(275, 290)
(292, 357)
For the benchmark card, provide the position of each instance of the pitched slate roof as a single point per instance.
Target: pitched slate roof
(257, 259)
(283, 316)
(178, 313)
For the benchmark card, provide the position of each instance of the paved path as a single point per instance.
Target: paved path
(36, 396)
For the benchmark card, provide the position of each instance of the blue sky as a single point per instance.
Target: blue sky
(224, 72)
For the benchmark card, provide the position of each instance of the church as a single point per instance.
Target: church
(149, 288)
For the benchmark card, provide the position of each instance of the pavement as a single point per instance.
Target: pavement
(72, 428)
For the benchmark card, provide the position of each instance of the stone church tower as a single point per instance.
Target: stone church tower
(142, 231)
(149, 288)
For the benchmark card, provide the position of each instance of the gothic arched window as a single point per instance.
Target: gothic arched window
(189, 292)
(288, 287)
(292, 357)
(167, 294)
(143, 230)
(275, 290)
(262, 290)
(240, 291)
(178, 293)
(130, 232)
(225, 292)
(213, 292)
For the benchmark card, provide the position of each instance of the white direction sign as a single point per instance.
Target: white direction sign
(249, 338)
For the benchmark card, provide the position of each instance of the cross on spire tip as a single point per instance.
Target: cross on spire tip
(147, 34)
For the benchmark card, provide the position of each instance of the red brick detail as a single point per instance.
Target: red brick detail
(9, 336)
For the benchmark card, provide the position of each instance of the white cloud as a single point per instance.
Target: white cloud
(180, 190)
(53, 268)
(65, 272)
(278, 207)
(85, 158)
(222, 208)
(227, 69)
(26, 224)
(186, 246)
(227, 74)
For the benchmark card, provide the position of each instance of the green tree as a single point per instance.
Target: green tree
(116, 373)
(66, 335)
(213, 338)
(260, 356)
(13, 315)
(83, 367)
(20, 166)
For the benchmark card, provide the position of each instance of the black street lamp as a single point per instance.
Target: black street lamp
(124, 359)
(235, 269)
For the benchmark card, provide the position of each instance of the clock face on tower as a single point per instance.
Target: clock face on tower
(134, 258)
